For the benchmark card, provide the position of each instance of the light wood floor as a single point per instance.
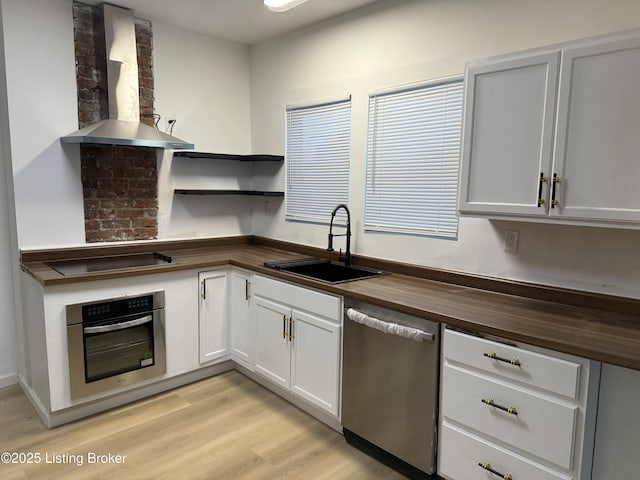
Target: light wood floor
(225, 427)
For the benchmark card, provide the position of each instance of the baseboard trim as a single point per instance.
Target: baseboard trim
(61, 417)
(8, 379)
(312, 410)
(93, 407)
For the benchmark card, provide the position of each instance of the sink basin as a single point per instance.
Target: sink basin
(324, 270)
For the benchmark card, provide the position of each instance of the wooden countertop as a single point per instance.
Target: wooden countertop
(609, 333)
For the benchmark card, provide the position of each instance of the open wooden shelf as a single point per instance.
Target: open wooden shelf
(260, 193)
(232, 157)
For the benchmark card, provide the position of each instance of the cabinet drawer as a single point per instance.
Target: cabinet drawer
(461, 454)
(538, 426)
(535, 369)
(327, 306)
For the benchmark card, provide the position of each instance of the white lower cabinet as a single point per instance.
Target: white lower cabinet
(241, 319)
(212, 315)
(298, 335)
(315, 360)
(514, 411)
(273, 348)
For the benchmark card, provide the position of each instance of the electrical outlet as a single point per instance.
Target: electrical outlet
(511, 241)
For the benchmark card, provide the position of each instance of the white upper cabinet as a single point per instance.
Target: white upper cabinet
(598, 132)
(552, 135)
(509, 112)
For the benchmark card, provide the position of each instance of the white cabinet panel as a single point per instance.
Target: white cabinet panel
(272, 348)
(538, 425)
(618, 427)
(463, 462)
(315, 365)
(326, 306)
(597, 135)
(241, 324)
(507, 143)
(213, 315)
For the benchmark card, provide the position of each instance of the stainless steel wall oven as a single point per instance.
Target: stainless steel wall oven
(115, 342)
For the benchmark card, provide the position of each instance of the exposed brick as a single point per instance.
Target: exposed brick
(119, 183)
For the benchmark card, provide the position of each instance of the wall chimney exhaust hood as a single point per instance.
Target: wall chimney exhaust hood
(123, 126)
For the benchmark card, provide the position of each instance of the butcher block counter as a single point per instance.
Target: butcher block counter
(595, 326)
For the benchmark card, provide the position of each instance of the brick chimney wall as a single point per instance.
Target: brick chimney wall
(119, 183)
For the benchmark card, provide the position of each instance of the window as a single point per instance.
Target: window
(317, 160)
(413, 154)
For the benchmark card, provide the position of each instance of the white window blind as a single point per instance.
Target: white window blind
(317, 160)
(413, 154)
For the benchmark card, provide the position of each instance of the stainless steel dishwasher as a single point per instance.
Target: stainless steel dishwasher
(390, 386)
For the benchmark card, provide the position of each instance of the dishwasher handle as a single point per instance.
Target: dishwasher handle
(389, 327)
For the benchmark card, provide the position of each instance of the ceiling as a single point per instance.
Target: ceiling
(244, 21)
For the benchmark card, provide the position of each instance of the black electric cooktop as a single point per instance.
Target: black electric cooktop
(105, 264)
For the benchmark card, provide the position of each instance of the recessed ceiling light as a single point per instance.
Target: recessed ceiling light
(282, 5)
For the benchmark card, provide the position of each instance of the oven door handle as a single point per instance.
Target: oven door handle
(119, 326)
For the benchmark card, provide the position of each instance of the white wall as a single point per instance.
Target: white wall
(41, 88)
(8, 250)
(203, 82)
(399, 42)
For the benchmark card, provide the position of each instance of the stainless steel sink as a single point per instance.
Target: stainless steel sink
(324, 270)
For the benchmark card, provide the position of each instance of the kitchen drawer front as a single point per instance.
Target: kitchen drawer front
(305, 299)
(535, 369)
(461, 454)
(542, 427)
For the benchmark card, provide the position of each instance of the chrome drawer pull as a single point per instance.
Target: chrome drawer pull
(494, 356)
(489, 401)
(487, 466)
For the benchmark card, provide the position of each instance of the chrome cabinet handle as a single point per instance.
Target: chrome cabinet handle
(487, 466)
(490, 402)
(494, 356)
(291, 336)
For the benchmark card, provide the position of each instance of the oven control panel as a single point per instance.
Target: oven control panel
(114, 308)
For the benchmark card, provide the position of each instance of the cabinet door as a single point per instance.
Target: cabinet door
(315, 363)
(240, 318)
(508, 134)
(598, 129)
(272, 348)
(212, 315)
